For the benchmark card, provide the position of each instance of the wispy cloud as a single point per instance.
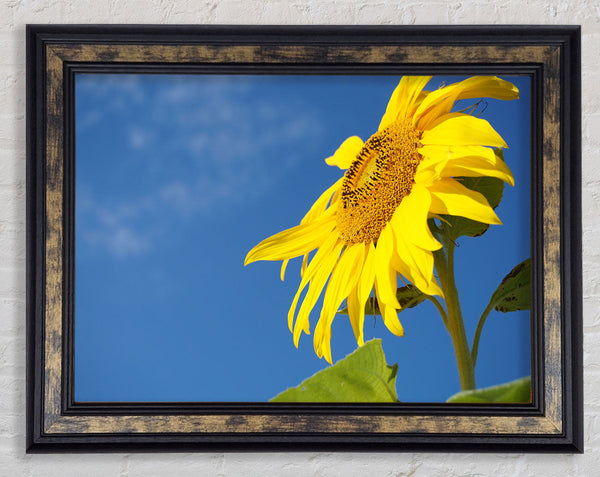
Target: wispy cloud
(140, 139)
(113, 229)
(124, 242)
(191, 145)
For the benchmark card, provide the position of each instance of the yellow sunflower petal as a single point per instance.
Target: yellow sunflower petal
(416, 264)
(304, 264)
(429, 170)
(321, 203)
(422, 95)
(283, 267)
(442, 107)
(462, 130)
(488, 87)
(320, 257)
(476, 166)
(367, 276)
(383, 255)
(389, 314)
(440, 102)
(293, 242)
(358, 298)
(455, 152)
(343, 280)
(402, 267)
(391, 321)
(346, 154)
(437, 158)
(356, 317)
(324, 349)
(410, 218)
(314, 290)
(404, 96)
(450, 197)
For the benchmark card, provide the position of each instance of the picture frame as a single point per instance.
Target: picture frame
(549, 55)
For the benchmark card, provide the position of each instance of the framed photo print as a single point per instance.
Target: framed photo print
(292, 238)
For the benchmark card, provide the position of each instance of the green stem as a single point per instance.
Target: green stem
(444, 262)
(477, 337)
(440, 309)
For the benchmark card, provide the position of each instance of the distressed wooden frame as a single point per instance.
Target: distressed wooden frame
(550, 55)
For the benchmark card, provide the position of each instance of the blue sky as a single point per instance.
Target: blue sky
(178, 176)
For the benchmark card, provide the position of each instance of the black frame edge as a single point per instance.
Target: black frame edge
(34, 230)
(278, 443)
(287, 34)
(572, 229)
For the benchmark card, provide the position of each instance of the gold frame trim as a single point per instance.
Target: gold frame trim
(55, 423)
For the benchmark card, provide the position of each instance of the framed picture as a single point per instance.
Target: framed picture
(293, 238)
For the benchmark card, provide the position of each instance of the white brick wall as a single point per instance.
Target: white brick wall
(14, 14)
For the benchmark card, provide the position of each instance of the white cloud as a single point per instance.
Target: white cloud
(199, 143)
(124, 242)
(140, 139)
(118, 240)
(113, 229)
(113, 93)
(180, 197)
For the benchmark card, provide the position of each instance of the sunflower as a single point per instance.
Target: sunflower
(370, 227)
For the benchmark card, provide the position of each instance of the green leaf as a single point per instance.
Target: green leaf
(515, 391)
(408, 297)
(491, 188)
(362, 376)
(514, 293)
